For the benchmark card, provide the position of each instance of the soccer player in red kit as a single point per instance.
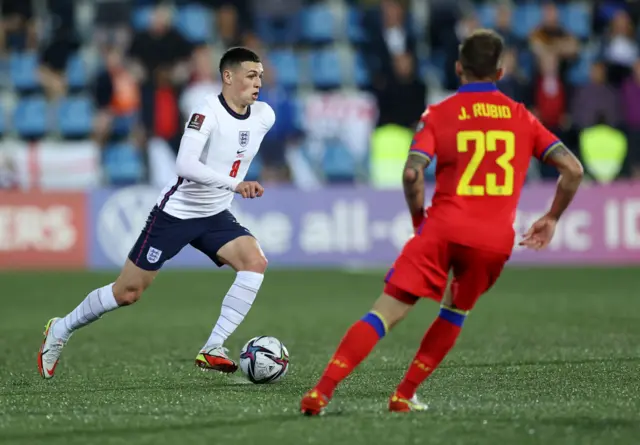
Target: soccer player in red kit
(483, 142)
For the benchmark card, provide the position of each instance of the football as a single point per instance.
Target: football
(264, 360)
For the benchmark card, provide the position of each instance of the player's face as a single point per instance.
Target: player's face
(247, 81)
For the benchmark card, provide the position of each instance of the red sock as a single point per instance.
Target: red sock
(435, 345)
(355, 346)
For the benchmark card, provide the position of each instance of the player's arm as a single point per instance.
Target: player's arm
(188, 166)
(571, 173)
(201, 124)
(420, 155)
(413, 184)
(551, 151)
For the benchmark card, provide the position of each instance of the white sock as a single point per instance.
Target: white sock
(235, 306)
(97, 303)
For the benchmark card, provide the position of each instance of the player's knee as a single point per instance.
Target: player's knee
(257, 263)
(391, 309)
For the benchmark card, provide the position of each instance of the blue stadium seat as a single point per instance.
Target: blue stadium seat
(195, 23)
(123, 164)
(287, 67)
(278, 31)
(24, 71)
(338, 163)
(30, 118)
(254, 169)
(486, 14)
(318, 24)
(75, 117)
(325, 68)
(77, 76)
(525, 19)
(355, 30)
(577, 18)
(361, 71)
(123, 125)
(141, 17)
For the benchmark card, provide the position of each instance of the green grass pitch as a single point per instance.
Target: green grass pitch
(549, 356)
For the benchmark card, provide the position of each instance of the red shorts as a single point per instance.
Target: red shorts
(422, 270)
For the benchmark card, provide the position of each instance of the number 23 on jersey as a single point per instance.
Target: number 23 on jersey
(486, 142)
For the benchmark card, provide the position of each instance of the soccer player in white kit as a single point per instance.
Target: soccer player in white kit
(220, 139)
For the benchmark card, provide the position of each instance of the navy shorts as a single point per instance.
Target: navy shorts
(164, 236)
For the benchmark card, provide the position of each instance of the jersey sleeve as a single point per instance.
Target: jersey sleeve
(201, 123)
(544, 141)
(424, 141)
(269, 117)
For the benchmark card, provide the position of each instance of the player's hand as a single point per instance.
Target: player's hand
(250, 189)
(540, 234)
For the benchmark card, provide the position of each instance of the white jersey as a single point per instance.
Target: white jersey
(225, 143)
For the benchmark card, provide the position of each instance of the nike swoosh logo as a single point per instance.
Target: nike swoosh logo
(241, 151)
(52, 370)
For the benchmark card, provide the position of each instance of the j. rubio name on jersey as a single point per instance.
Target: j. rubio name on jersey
(480, 109)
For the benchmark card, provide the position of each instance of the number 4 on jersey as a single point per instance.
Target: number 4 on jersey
(487, 142)
(234, 169)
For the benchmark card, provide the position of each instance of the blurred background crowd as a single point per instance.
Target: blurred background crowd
(96, 92)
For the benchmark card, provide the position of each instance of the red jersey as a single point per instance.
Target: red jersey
(483, 142)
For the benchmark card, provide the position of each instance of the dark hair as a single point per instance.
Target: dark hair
(235, 56)
(480, 53)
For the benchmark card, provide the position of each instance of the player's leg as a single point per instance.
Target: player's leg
(475, 271)
(405, 282)
(357, 343)
(162, 237)
(231, 244)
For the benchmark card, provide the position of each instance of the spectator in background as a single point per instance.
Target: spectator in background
(160, 55)
(503, 25)
(117, 97)
(204, 80)
(64, 42)
(550, 95)
(111, 22)
(17, 26)
(514, 83)
(442, 35)
(603, 11)
(620, 49)
(233, 19)
(61, 15)
(402, 96)
(631, 108)
(597, 101)
(387, 38)
(551, 38)
(466, 25)
(53, 62)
